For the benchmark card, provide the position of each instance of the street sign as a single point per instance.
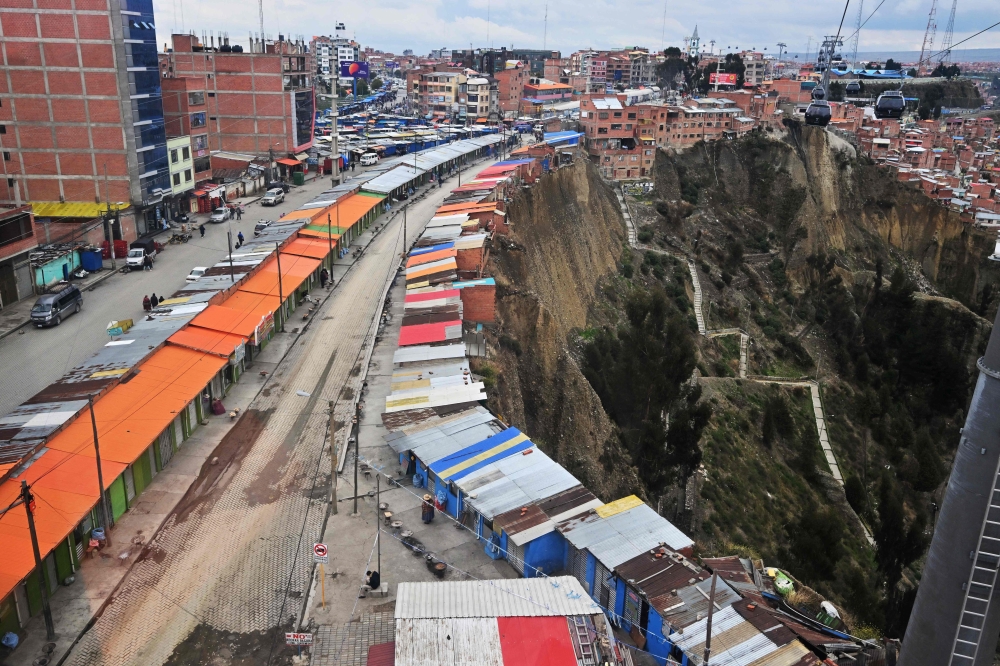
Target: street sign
(298, 639)
(320, 554)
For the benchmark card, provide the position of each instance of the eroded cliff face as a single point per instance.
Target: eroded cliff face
(567, 234)
(848, 206)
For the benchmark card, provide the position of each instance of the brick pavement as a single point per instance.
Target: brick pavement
(347, 645)
(225, 558)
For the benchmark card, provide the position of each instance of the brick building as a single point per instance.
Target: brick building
(185, 111)
(17, 239)
(80, 95)
(258, 102)
(510, 86)
(442, 94)
(620, 139)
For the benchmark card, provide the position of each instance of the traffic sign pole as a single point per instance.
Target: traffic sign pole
(322, 585)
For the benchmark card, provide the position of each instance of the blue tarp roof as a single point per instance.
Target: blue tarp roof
(461, 463)
(559, 137)
(514, 162)
(432, 248)
(474, 283)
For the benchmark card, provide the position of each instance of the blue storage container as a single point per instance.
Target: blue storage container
(91, 260)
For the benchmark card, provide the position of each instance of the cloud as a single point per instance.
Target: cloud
(421, 25)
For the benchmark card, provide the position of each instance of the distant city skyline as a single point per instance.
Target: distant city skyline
(395, 25)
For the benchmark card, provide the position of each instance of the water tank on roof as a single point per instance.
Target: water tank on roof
(237, 48)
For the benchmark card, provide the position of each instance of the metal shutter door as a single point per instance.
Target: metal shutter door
(515, 555)
(580, 568)
(166, 449)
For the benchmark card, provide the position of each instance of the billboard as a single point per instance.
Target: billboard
(722, 78)
(352, 69)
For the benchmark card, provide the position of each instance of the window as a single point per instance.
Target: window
(631, 116)
(628, 126)
(196, 98)
(618, 114)
(173, 156)
(3, 129)
(616, 126)
(185, 153)
(177, 179)
(211, 94)
(187, 176)
(15, 228)
(200, 142)
(600, 116)
(602, 130)
(198, 119)
(6, 156)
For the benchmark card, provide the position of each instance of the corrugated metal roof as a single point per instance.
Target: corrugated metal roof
(393, 179)
(735, 642)
(561, 506)
(621, 537)
(514, 482)
(435, 397)
(431, 444)
(468, 460)
(690, 603)
(465, 641)
(517, 597)
(427, 353)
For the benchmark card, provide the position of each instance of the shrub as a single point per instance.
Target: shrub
(645, 235)
(510, 343)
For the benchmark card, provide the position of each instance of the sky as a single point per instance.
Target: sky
(422, 25)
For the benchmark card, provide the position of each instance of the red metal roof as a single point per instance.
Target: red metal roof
(422, 334)
(383, 654)
(536, 641)
(432, 295)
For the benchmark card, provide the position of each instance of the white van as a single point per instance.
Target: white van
(369, 159)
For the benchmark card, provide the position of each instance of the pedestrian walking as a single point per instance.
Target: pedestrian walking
(232, 212)
(239, 237)
(324, 275)
(147, 263)
(154, 301)
(427, 509)
(201, 228)
(146, 303)
(239, 212)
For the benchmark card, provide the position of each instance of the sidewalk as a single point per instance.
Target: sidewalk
(98, 579)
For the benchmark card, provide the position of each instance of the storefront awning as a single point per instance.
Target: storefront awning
(302, 157)
(72, 209)
(287, 161)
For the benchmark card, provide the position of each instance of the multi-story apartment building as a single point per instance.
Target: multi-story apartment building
(326, 52)
(703, 119)
(478, 99)
(185, 111)
(81, 98)
(620, 139)
(182, 180)
(510, 88)
(441, 94)
(258, 102)
(642, 70)
(757, 68)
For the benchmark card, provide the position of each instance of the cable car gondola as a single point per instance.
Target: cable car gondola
(818, 93)
(890, 104)
(818, 113)
(853, 88)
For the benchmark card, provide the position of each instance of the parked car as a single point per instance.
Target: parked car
(50, 308)
(138, 251)
(273, 197)
(369, 159)
(278, 185)
(196, 273)
(219, 215)
(260, 226)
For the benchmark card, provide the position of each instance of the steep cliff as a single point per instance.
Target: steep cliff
(567, 235)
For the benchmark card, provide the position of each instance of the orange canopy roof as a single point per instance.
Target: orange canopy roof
(294, 271)
(306, 214)
(207, 340)
(320, 234)
(352, 209)
(428, 257)
(133, 414)
(420, 272)
(240, 314)
(65, 490)
(467, 207)
(307, 247)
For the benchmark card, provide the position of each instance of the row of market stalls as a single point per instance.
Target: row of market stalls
(525, 507)
(152, 385)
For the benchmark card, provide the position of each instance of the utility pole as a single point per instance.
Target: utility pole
(405, 206)
(378, 523)
(545, 31)
(107, 220)
(29, 505)
(334, 457)
(357, 452)
(232, 274)
(329, 233)
(708, 624)
(281, 293)
(105, 514)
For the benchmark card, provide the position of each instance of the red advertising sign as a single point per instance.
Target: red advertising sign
(722, 78)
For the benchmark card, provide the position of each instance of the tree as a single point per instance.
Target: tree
(376, 83)
(836, 91)
(362, 87)
(912, 73)
(675, 69)
(892, 65)
(946, 71)
(639, 373)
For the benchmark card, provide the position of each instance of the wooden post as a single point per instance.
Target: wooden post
(322, 585)
(708, 624)
(27, 500)
(105, 513)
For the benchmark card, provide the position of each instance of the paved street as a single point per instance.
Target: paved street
(240, 540)
(32, 361)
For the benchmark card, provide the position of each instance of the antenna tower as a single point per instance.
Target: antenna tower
(545, 33)
(260, 13)
(948, 35)
(929, 33)
(857, 35)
